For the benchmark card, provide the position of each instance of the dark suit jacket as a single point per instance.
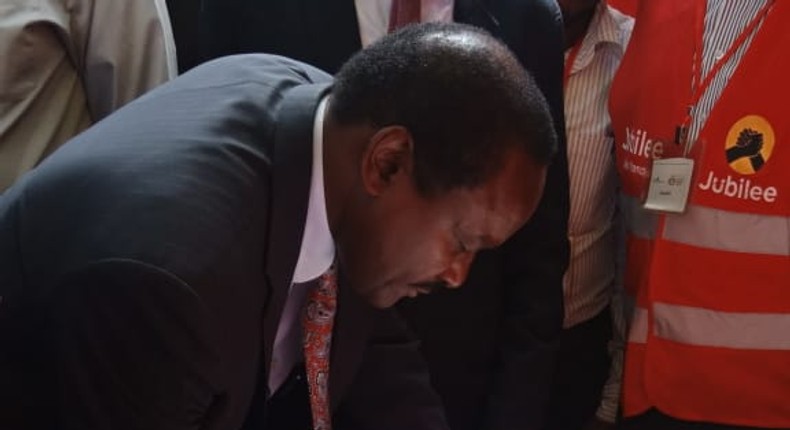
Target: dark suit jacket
(145, 266)
(491, 345)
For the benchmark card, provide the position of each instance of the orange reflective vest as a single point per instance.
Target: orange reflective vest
(710, 337)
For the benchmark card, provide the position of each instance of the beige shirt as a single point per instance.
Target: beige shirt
(65, 64)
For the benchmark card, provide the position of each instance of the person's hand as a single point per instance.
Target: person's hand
(749, 144)
(751, 141)
(597, 424)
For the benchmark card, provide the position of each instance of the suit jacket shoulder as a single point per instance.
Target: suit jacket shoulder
(187, 166)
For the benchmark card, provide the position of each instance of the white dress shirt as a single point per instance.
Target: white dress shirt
(67, 64)
(589, 282)
(316, 255)
(374, 16)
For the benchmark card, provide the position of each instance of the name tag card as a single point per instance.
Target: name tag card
(670, 181)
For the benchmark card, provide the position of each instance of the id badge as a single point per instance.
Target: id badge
(670, 182)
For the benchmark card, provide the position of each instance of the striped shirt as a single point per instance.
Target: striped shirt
(593, 179)
(590, 279)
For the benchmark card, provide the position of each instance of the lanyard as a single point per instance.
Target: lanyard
(569, 60)
(699, 88)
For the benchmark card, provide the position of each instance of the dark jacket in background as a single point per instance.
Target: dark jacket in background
(184, 19)
(322, 33)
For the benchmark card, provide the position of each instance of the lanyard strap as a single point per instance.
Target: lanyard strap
(698, 90)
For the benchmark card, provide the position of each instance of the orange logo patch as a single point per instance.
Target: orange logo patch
(749, 144)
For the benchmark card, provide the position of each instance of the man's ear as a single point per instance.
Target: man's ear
(387, 158)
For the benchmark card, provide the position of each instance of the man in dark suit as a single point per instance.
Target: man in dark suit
(150, 266)
(492, 370)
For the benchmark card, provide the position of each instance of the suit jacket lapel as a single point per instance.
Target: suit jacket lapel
(292, 164)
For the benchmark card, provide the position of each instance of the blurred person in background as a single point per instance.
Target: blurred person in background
(69, 63)
(596, 36)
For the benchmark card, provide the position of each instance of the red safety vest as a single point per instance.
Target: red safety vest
(710, 337)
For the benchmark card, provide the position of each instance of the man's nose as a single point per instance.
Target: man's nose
(456, 273)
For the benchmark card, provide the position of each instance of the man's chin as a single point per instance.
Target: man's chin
(384, 299)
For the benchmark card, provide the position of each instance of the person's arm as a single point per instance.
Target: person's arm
(610, 396)
(132, 350)
(392, 388)
(621, 307)
(123, 49)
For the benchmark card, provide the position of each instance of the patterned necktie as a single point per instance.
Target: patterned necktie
(317, 322)
(404, 12)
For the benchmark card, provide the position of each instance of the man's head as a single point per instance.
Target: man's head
(436, 146)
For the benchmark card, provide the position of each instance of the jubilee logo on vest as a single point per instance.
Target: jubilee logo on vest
(747, 149)
(642, 149)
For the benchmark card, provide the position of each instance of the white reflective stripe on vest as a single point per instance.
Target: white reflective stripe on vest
(638, 221)
(638, 332)
(737, 330)
(730, 231)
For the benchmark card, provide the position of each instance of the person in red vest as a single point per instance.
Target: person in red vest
(698, 110)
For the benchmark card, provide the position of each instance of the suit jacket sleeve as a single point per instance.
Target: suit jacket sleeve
(536, 258)
(132, 350)
(392, 388)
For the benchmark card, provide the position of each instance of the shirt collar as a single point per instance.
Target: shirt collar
(318, 247)
(608, 27)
